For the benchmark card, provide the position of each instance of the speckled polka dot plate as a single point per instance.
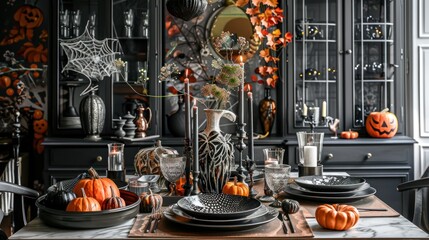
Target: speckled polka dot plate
(330, 183)
(218, 206)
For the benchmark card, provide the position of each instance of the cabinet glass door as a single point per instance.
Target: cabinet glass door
(131, 26)
(374, 61)
(73, 18)
(315, 60)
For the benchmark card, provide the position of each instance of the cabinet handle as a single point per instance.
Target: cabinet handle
(330, 155)
(348, 51)
(99, 158)
(368, 155)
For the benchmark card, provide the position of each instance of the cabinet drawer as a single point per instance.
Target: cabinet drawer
(77, 157)
(369, 154)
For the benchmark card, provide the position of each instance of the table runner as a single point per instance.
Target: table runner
(273, 229)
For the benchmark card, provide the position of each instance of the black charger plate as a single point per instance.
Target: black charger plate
(331, 199)
(326, 193)
(330, 183)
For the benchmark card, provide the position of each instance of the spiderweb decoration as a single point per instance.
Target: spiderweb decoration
(95, 59)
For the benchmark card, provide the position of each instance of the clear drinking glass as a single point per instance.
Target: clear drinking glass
(277, 177)
(271, 156)
(115, 162)
(311, 139)
(172, 168)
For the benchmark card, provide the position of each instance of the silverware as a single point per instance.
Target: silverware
(286, 218)
(372, 209)
(148, 224)
(156, 218)
(284, 226)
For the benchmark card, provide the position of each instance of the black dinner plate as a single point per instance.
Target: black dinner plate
(218, 206)
(258, 221)
(326, 193)
(331, 199)
(260, 212)
(330, 183)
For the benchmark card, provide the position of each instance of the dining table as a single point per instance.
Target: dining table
(386, 224)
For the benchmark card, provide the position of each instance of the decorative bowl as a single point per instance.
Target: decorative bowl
(330, 183)
(218, 206)
(89, 220)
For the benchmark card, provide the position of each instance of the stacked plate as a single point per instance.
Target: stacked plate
(220, 211)
(330, 189)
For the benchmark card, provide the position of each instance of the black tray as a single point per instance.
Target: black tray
(89, 220)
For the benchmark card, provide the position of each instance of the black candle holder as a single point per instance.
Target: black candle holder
(240, 146)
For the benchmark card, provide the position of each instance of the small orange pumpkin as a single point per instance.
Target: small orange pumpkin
(337, 217)
(382, 124)
(29, 16)
(96, 187)
(236, 188)
(113, 202)
(349, 134)
(150, 202)
(40, 126)
(83, 204)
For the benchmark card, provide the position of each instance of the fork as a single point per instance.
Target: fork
(156, 218)
(148, 224)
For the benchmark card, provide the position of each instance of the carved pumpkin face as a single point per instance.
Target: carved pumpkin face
(29, 16)
(381, 124)
(40, 126)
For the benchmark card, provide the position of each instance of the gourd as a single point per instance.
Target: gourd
(150, 202)
(83, 204)
(382, 124)
(236, 188)
(336, 216)
(146, 161)
(349, 134)
(96, 187)
(290, 206)
(59, 198)
(113, 202)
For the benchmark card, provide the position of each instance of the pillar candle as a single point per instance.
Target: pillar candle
(250, 136)
(310, 156)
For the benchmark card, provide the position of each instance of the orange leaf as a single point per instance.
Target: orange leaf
(264, 52)
(256, 2)
(254, 78)
(255, 21)
(271, 3)
(276, 33)
(252, 11)
(241, 3)
(262, 70)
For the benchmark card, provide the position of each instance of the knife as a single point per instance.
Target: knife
(286, 218)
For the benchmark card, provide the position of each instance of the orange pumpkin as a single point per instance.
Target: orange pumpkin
(96, 187)
(382, 124)
(337, 217)
(349, 134)
(236, 188)
(5, 81)
(29, 16)
(83, 204)
(40, 126)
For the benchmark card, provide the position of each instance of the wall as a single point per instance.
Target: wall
(23, 76)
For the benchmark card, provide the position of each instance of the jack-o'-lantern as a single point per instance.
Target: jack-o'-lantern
(29, 16)
(382, 124)
(40, 126)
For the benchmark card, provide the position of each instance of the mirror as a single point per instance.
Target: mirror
(234, 20)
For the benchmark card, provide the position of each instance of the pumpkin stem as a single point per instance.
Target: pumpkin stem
(93, 173)
(385, 110)
(113, 192)
(83, 193)
(235, 180)
(150, 192)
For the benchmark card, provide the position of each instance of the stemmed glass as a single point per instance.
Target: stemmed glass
(277, 176)
(271, 156)
(172, 168)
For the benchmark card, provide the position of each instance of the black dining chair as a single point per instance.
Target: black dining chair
(17, 190)
(421, 199)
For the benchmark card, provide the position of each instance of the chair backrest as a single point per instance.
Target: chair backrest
(18, 190)
(421, 199)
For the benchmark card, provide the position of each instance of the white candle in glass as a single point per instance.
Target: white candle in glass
(324, 109)
(310, 156)
(271, 161)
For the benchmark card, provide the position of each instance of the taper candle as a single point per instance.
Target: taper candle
(250, 136)
(187, 149)
(187, 109)
(324, 109)
(241, 94)
(195, 165)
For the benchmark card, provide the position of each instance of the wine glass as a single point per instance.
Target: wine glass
(172, 168)
(277, 176)
(271, 156)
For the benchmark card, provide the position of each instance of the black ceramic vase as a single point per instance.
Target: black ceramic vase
(92, 114)
(267, 112)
